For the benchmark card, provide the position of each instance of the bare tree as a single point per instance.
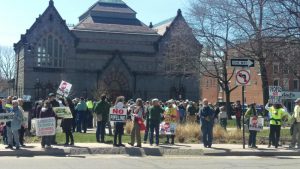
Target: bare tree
(7, 62)
(249, 22)
(214, 32)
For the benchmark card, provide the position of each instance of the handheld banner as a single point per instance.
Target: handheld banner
(256, 123)
(45, 126)
(64, 89)
(5, 117)
(117, 115)
(63, 112)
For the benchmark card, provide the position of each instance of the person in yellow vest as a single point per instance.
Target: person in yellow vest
(90, 113)
(296, 129)
(8, 105)
(277, 114)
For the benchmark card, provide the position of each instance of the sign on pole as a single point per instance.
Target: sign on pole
(242, 77)
(242, 62)
(118, 115)
(64, 89)
(275, 94)
(256, 123)
(63, 112)
(45, 126)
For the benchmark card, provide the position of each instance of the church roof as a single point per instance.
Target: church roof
(161, 27)
(112, 16)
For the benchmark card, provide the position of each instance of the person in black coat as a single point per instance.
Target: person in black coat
(67, 125)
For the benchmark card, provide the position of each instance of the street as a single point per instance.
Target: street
(124, 162)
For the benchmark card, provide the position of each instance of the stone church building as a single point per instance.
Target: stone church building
(108, 51)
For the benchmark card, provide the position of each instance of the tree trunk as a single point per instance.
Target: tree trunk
(265, 83)
(228, 104)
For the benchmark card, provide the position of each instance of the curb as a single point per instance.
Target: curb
(141, 152)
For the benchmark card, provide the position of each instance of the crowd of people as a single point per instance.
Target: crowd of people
(145, 116)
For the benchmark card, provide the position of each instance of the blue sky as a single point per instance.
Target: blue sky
(18, 15)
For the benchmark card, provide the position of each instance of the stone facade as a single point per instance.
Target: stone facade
(107, 52)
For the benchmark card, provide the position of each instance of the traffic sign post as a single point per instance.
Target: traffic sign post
(242, 62)
(243, 77)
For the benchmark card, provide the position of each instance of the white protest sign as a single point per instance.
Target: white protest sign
(5, 117)
(45, 126)
(256, 123)
(275, 94)
(118, 115)
(64, 89)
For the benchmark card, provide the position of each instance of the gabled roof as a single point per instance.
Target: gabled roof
(35, 24)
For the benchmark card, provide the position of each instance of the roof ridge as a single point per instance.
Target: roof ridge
(164, 21)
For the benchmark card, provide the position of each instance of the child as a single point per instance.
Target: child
(223, 117)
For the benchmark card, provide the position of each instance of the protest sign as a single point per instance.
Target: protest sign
(63, 112)
(45, 126)
(256, 123)
(275, 94)
(25, 119)
(64, 89)
(168, 127)
(5, 117)
(118, 115)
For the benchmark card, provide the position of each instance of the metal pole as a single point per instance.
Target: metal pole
(243, 113)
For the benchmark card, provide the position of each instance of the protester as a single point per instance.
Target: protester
(182, 111)
(171, 115)
(54, 103)
(277, 113)
(207, 119)
(238, 113)
(191, 113)
(102, 111)
(146, 117)
(24, 123)
(1, 107)
(119, 126)
(251, 112)
(66, 125)
(47, 112)
(71, 105)
(155, 115)
(90, 108)
(223, 117)
(137, 117)
(81, 109)
(15, 125)
(296, 125)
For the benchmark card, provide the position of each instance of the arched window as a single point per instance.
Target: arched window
(50, 53)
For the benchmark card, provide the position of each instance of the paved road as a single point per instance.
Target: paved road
(123, 162)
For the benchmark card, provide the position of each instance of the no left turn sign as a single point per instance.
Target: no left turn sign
(243, 77)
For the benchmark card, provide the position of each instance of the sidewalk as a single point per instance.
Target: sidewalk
(147, 150)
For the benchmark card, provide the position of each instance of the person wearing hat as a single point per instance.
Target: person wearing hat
(296, 129)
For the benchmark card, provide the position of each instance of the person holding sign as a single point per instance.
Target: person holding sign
(251, 114)
(276, 114)
(171, 116)
(119, 126)
(137, 116)
(15, 125)
(46, 112)
(66, 125)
